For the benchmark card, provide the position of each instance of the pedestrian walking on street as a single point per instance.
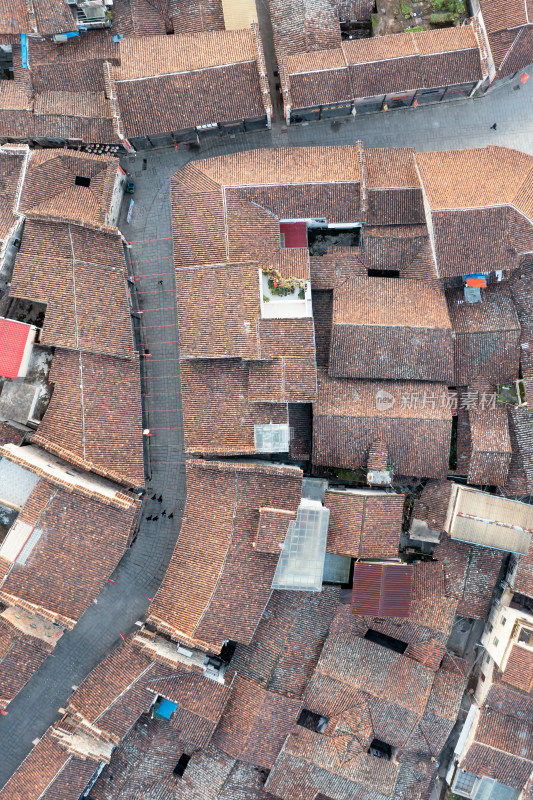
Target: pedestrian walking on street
(493, 127)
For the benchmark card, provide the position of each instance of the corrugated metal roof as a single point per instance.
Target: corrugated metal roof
(490, 521)
(382, 590)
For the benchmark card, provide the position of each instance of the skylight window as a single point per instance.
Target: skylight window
(81, 181)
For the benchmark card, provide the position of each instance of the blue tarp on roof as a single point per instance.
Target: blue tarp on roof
(24, 50)
(166, 709)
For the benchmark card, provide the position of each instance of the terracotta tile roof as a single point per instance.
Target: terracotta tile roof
(405, 248)
(49, 772)
(215, 390)
(518, 55)
(521, 286)
(144, 761)
(524, 574)
(200, 704)
(473, 178)
(308, 89)
(491, 446)
(354, 663)
(289, 344)
(50, 188)
(169, 54)
(11, 435)
(470, 575)
(285, 166)
(232, 579)
(80, 544)
(93, 105)
(14, 17)
(195, 16)
(304, 25)
(153, 105)
(20, 656)
(379, 48)
(338, 264)
(368, 692)
(94, 417)
(69, 77)
(503, 767)
(314, 761)
(339, 201)
(482, 240)
(394, 207)
(82, 280)
(115, 693)
(487, 336)
(272, 529)
(502, 747)
(53, 17)
(287, 642)
(255, 723)
(364, 525)
(432, 505)
(374, 66)
(390, 167)
(148, 757)
(430, 606)
(520, 476)
(219, 311)
(425, 644)
(98, 45)
(301, 431)
(390, 329)
(519, 668)
(498, 17)
(194, 69)
(15, 97)
(314, 61)
(347, 420)
(11, 162)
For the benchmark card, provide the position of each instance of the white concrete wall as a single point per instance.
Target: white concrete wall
(116, 198)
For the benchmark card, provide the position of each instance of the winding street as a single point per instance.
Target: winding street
(120, 604)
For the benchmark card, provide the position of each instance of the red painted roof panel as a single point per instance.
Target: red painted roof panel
(382, 590)
(295, 233)
(13, 338)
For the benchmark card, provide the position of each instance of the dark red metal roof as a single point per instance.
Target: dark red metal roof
(382, 590)
(295, 233)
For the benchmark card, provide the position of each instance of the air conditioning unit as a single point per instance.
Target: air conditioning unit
(60, 38)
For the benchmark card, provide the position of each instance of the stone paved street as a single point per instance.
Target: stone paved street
(452, 125)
